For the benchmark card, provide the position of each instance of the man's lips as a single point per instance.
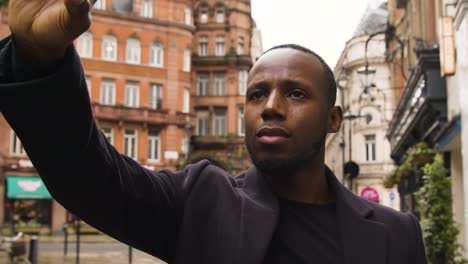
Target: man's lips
(272, 135)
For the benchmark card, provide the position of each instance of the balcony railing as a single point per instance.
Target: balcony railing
(142, 115)
(228, 59)
(421, 112)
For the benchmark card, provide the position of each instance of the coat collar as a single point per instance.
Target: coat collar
(363, 240)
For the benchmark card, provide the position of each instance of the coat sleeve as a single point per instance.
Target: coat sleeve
(52, 117)
(418, 252)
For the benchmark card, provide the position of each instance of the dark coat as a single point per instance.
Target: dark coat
(198, 215)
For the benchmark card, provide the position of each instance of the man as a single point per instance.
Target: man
(288, 208)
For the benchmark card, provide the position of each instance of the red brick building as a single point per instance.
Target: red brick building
(137, 61)
(158, 72)
(221, 61)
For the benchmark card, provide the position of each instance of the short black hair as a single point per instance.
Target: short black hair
(327, 72)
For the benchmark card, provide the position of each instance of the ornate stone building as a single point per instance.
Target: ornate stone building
(368, 102)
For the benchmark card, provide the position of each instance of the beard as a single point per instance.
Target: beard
(296, 162)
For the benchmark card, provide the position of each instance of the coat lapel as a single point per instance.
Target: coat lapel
(259, 216)
(363, 240)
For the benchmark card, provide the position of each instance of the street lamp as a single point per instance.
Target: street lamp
(367, 75)
(342, 83)
(348, 115)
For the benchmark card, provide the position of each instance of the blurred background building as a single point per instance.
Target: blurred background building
(367, 99)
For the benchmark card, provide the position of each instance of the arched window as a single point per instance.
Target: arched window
(219, 16)
(203, 48)
(133, 53)
(240, 46)
(85, 45)
(186, 66)
(187, 16)
(204, 16)
(147, 8)
(220, 46)
(157, 54)
(100, 4)
(109, 48)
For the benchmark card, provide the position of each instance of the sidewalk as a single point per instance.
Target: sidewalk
(99, 238)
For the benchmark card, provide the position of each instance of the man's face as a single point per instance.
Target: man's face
(287, 114)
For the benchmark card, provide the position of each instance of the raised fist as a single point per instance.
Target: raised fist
(42, 29)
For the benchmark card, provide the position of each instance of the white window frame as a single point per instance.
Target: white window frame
(220, 84)
(100, 4)
(203, 85)
(186, 66)
(16, 147)
(157, 54)
(203, 46)
(220, 47)
(132, 94)
(240, 46)
(107, 92)
(243, 76)
(84, 45)
(220, 16)
(155, 96)
(219, 123)
(133, 51)
(370, 147)
(129, 140)
(185, 143)
(240, 121)
(109, 48)
(203, 123)
(154, 152)
(109, 134)
(88, 84)
(186, 101)
(187, 16)
(203, 17)
(146, 8)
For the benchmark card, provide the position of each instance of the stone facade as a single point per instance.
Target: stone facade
(362, 138)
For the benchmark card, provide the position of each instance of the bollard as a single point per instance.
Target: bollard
(65, 241)
(130, 255)
(33, 244)
(78, 242)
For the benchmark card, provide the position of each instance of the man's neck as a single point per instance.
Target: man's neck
(308, 185)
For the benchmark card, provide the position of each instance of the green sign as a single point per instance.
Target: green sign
(26, 188)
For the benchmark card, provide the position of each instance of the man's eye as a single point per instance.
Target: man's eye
(257, 95)
(297, 94)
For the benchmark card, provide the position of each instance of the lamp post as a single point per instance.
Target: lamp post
(349, 116)
(342, 84)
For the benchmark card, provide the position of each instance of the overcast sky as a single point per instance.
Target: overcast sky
(323, 26)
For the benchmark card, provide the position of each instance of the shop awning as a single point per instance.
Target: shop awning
(26, 188)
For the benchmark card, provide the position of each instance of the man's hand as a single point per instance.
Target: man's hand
(42, 29)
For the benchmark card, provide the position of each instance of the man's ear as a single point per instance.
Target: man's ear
(335, 117)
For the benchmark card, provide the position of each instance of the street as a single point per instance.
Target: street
(90, 253)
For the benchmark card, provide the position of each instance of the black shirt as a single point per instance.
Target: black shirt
(306, 233)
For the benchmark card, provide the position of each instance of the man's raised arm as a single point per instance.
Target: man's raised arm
(51, 114)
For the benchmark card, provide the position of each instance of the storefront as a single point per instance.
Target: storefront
(28, 205)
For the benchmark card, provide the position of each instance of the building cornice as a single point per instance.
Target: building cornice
(144, 20)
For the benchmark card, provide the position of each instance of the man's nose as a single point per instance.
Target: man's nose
(275, 107)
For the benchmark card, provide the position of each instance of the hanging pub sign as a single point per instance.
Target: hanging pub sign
(447, 47)
(370, 193)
